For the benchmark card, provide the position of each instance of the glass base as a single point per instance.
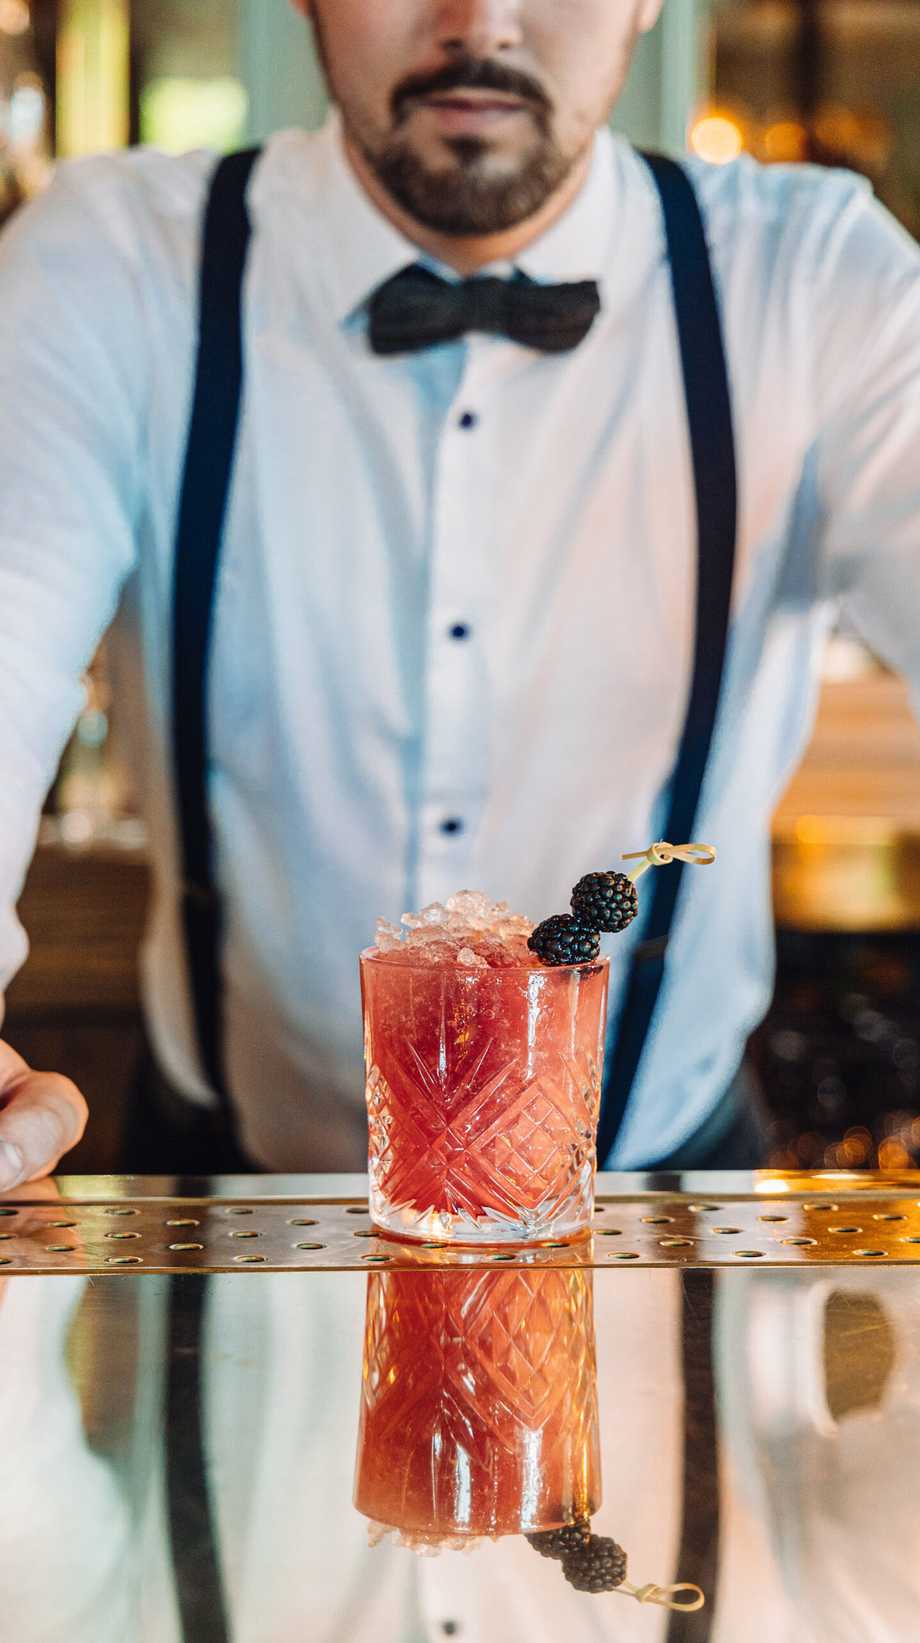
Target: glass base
(566, 1225)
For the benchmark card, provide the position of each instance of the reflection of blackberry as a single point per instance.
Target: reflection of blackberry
(564, 940)
(561, 1543)
(606, 901)
(599, 1566)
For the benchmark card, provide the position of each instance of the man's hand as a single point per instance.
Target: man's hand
(42, 1115)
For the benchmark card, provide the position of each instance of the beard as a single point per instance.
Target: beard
(470, 195)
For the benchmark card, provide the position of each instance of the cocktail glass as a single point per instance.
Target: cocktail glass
(479, 1412)
(483, 1093)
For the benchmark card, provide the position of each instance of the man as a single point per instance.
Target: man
(485, 610)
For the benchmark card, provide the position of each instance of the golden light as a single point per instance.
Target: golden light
(14, 17)
(785, 142)
(716, 137)
(893, 1154)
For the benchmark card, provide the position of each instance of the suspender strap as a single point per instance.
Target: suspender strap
(713, 445)
(191, 1517)
(699, 1554)
(202, 509)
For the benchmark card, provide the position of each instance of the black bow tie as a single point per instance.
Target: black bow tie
(417, 309)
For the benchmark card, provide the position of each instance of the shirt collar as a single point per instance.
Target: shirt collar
(367, 249)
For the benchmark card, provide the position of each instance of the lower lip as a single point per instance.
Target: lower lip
(464, 118)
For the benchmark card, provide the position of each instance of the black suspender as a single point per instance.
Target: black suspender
(713, 444)
(205, 488)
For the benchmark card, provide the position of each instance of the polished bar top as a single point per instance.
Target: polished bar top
(178, 1454)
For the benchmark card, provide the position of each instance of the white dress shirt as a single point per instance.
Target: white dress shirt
(367, 521)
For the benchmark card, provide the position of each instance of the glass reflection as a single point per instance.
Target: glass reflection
(479, 1410)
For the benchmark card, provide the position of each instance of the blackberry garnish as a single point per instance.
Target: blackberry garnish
(606, 901)
(562, 1543)
(598, 1566)
(564, 940)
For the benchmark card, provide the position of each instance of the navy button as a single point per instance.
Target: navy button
(460, 630)
(469, 419)
(452, 824)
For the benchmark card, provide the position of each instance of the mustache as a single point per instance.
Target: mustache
(468, 74)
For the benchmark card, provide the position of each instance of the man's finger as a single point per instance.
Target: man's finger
(42, 1115)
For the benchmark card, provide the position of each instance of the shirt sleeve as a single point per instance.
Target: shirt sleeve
(867, 386)
(72, 395)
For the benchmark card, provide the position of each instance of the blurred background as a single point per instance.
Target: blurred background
(826, 82)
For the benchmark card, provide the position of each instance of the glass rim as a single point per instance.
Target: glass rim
(372, 955)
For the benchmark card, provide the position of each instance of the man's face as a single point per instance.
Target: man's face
(471, 113)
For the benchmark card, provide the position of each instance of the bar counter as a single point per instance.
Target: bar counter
(724, 1378)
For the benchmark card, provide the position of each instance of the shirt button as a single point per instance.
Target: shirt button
(452, 824)
(469, 419)
(460, 630)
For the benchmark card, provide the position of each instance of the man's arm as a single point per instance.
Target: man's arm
(867, 456)
(72, 391)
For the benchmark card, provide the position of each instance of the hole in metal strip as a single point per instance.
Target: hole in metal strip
(358, 1209)
(240, 1212)
(120, 1237)
(6, 1260)
(306, 1223)
(121, 1211)
(60, 1249)
(624, 1255)
(248, 1260)
(870, 1252)
(378, 1260)
(183, 1221)
(889, 1217)
(676, 1243)
(319, 1246)
(503, 1257)
(362, 1232)
(9, 1212)
(702, 1207)
(5, 1237)
(124, 1260)
(800, 1243)
(820, 1208)
(844, 1229)
(749, 1254)
(728, 1232)
(772, 1217)
(57, 1224)
(910, 1240)
(610, 1232)
(186, 1246)
(245, 1234)
(657, 1220)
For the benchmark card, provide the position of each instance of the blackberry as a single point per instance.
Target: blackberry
(606, 901)
(564, 940)
(561, 1543)
(599, 1566)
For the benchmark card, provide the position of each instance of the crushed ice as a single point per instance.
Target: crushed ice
(468, 929)
(425, 1545)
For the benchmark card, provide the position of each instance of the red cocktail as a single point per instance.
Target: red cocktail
(483, 1089)
(479, 1404)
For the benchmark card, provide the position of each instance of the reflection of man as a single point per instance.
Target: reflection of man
(279, 1400)
(805, 1550)
(479, 569)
